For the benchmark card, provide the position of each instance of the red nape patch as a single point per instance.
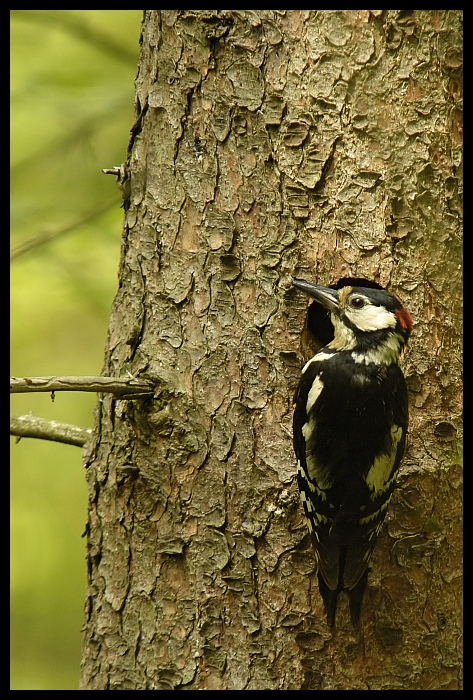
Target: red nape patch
(405, 321)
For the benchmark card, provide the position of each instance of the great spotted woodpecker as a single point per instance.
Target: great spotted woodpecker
(350, 424)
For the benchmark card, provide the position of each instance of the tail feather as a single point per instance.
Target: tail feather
(355, 596)
(330, 599)
(355, 593)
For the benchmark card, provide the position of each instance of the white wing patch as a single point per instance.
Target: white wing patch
(378, 476)
(317, 477)
(319, 357)
(314, 393)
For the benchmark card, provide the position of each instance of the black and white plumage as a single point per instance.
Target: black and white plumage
(350, 425)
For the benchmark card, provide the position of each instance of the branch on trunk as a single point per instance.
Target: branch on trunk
(32, 427)
(129, 388)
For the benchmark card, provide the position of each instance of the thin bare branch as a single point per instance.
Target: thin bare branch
(74, 24)
(32, 427)
(44, 238)
(106, 385)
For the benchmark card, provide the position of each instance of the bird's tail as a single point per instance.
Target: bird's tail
(355, 594)
(330, 599)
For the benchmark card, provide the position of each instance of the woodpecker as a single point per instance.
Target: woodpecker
(350, 425)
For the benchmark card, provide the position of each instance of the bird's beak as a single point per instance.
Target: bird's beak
(324, 295)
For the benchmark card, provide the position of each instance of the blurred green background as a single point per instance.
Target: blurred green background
(72, 74)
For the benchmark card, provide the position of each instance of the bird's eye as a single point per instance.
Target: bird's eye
(357, 302)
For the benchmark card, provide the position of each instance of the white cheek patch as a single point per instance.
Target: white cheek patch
(371, 318)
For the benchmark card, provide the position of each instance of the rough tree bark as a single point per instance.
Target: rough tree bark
(270, 144)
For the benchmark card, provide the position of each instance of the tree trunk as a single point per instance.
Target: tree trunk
(270, 144)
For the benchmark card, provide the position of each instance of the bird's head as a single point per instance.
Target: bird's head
(369, 322)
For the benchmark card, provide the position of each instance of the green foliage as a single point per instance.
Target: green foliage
(72, 77)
